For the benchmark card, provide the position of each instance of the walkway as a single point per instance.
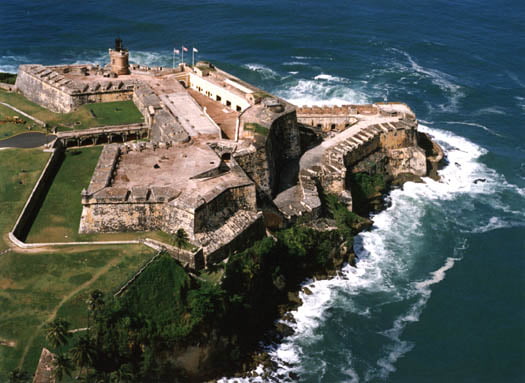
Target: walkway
(27, 140)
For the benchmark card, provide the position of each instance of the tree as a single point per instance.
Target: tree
(19, 376)
(181, 239)
(124, 374)
(57, 332)
(62, 366)
(83, 354)
(95, 302)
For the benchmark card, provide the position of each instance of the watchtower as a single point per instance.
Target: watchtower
(119, 58)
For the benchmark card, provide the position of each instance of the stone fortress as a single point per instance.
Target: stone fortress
(222, 158)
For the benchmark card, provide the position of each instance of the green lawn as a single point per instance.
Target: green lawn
(87, 116)
(19, 170)
(59, 216)
(8, 128)
(33, 287)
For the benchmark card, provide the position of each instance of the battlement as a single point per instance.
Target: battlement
(391, 128)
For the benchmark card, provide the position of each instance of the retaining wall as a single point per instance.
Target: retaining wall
(38, 194)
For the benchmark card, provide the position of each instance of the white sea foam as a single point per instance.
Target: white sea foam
(10, 63)
(520, 102)
(320, 92)
(514, 77)
(264, 71)
(378, 265)
(491, 110)
(295, 63)
(327, 77)
(474, 124)
(385, 257)
(444, 81)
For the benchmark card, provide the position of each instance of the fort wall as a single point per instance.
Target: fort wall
(273, 127)
(391, 137)
(54, 90)
(38, 194)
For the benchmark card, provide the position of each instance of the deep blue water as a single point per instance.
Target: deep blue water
(438, 295)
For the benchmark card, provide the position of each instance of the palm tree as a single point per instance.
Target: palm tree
(83, 354)
(57, 332)
(123, 375)
(61, 366)
(181, 239)
(95, 302)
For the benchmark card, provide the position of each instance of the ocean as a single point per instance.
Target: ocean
(438, 294)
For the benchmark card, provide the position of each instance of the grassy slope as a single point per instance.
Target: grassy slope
(164, 282)
(109, 113)
(33, 285)
(19, 171)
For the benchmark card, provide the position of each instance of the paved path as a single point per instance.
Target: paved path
(27, 140)
(39, 122)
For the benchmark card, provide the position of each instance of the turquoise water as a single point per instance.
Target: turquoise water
(438, 294)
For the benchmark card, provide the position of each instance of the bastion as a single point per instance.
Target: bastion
(222, 157)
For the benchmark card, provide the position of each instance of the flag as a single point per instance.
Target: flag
(184, 48)
(176, 51)
(195, 50)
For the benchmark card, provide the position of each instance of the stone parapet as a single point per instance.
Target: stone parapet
(55, 89)
(392, 129)
(239, 231)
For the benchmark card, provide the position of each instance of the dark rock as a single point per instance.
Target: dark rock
(284, 329)
(406, 177)
(307, 291)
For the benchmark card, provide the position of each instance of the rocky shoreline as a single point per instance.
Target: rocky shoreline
(340, 256)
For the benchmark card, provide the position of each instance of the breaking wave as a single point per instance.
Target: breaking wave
(265, 72)
(319, 91)
(386, 275)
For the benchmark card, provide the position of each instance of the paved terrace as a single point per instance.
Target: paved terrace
(195, 172)
(225, 118)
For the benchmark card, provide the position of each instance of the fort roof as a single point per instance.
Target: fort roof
(191, 175)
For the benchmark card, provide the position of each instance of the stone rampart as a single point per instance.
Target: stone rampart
(8, 87)
(112, 208)
(164, 126)
(273, 127)
(238, 232)
(392, 133)
(53, 89)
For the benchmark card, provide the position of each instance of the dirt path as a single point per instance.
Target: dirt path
(70, 295)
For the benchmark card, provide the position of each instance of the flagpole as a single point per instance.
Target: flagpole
(173, 63)
(182, 53)
(192, 56)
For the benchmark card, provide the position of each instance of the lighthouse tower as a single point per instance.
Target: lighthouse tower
(119, 58)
